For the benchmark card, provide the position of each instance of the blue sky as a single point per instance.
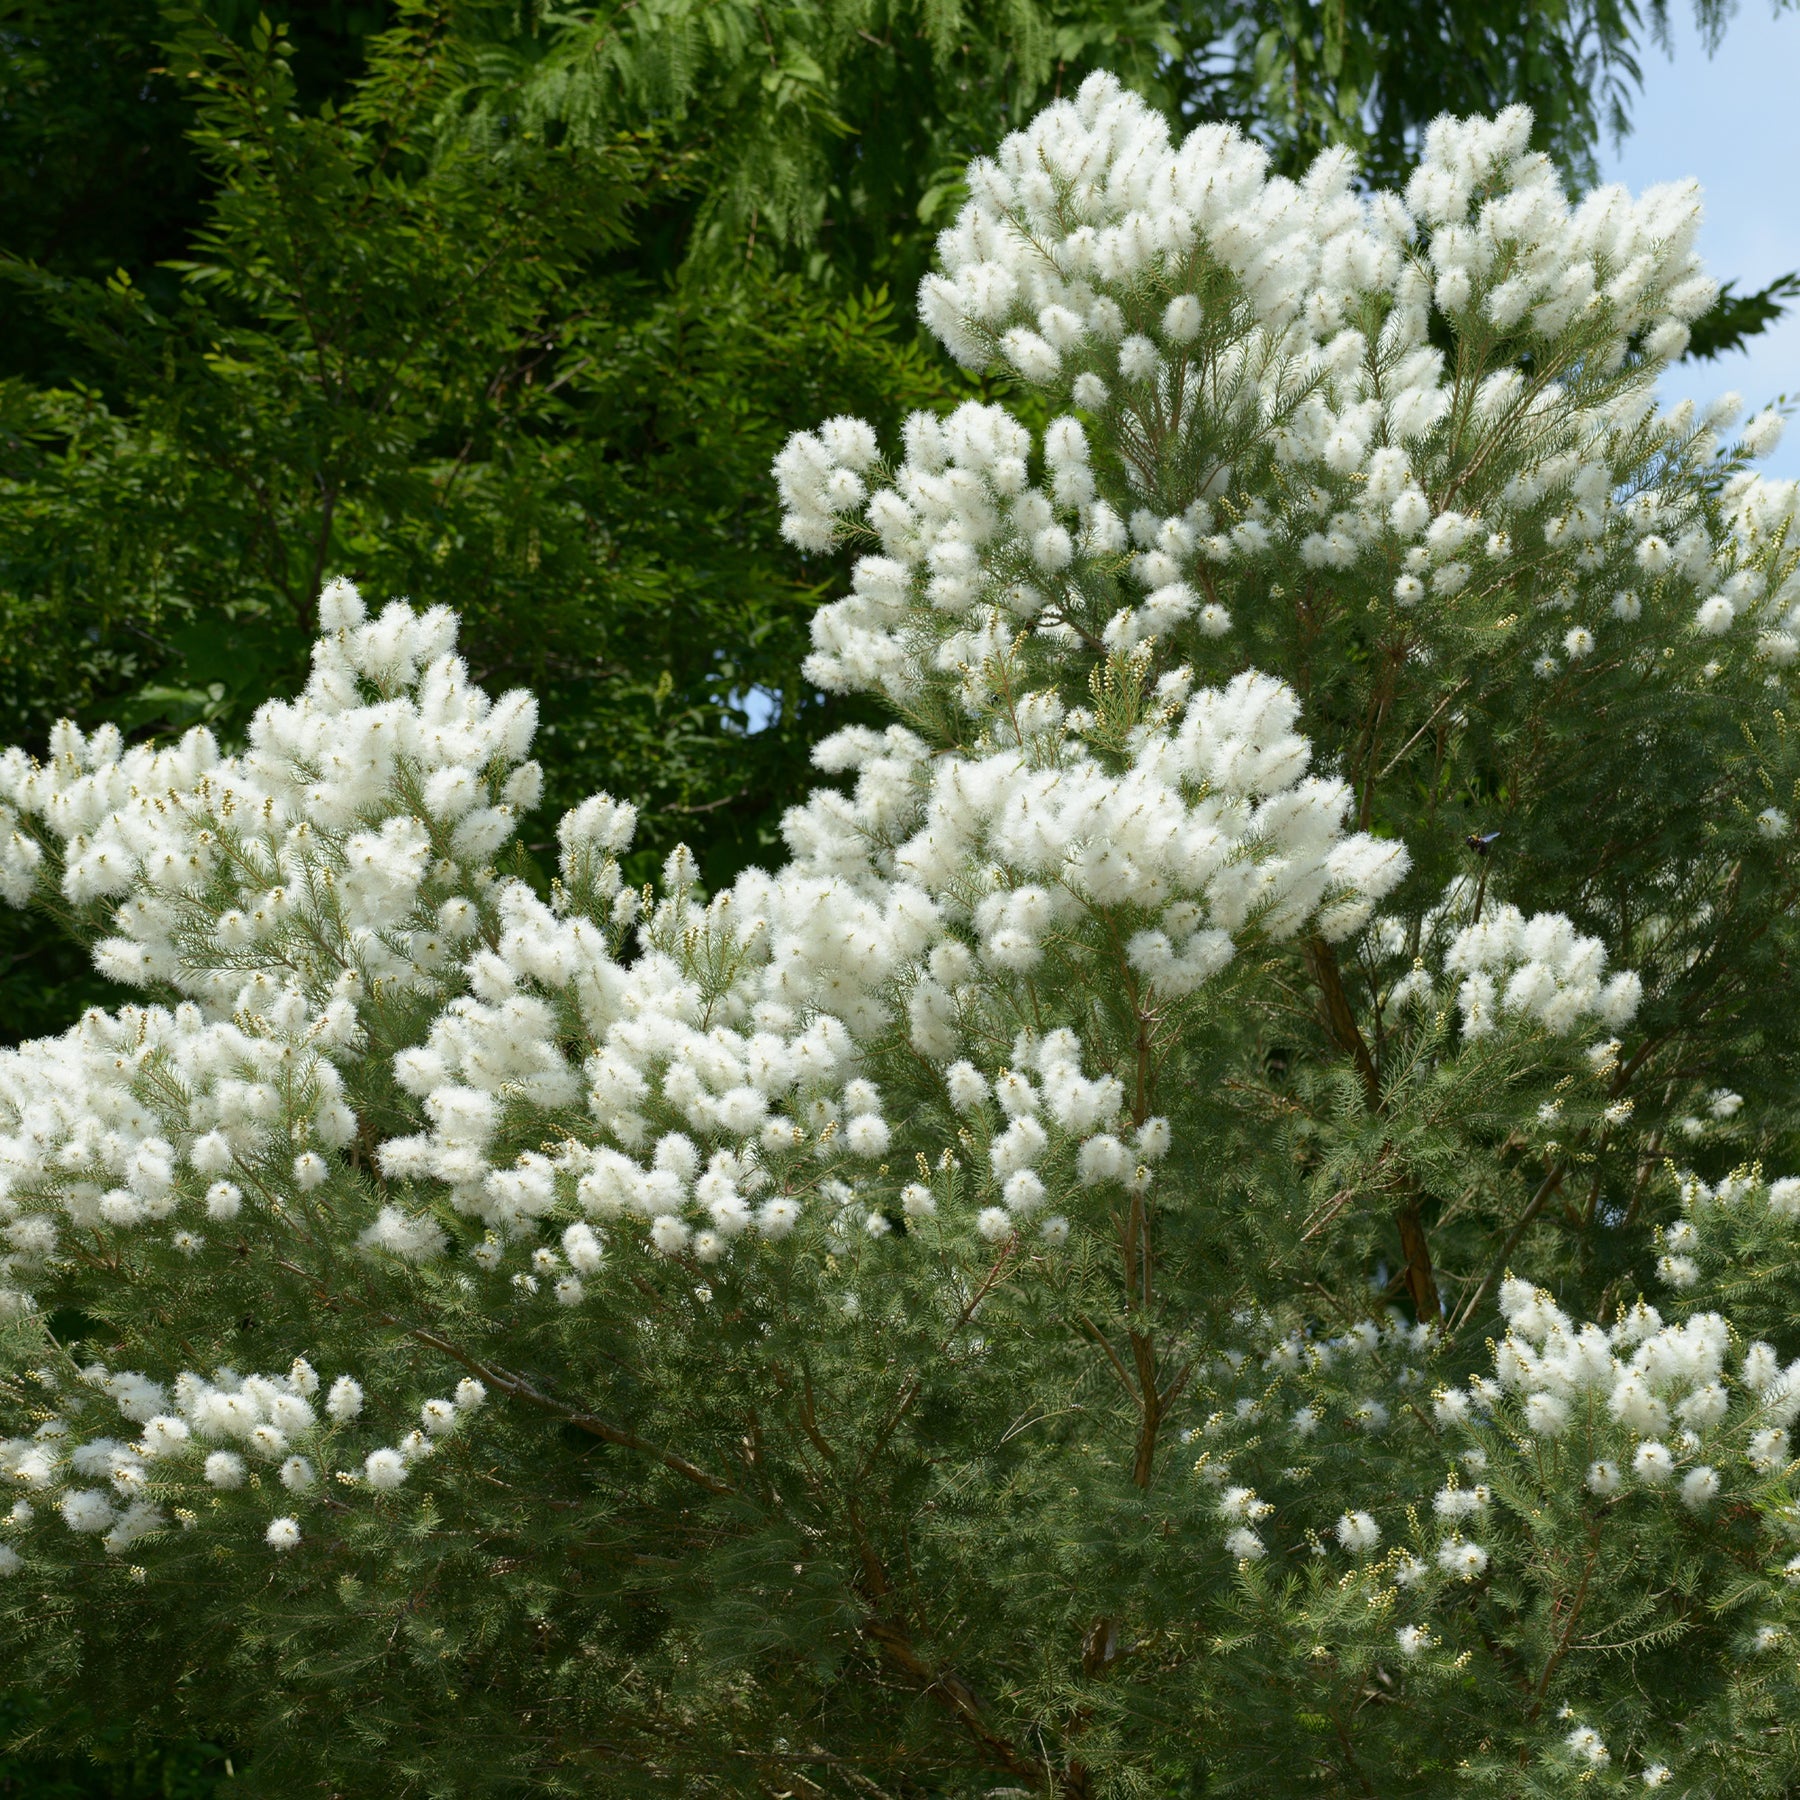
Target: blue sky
(1734, 121)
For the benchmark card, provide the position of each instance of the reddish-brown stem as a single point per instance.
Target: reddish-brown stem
(1340, 1023)
(1568, 1631)
(517, 1387)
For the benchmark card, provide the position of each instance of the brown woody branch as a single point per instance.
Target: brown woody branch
(1340, 1023)
(519, 1387)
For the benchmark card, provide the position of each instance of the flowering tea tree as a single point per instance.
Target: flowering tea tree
(1219, 1226)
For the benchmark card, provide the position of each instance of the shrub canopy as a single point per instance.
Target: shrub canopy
(1216, 1227)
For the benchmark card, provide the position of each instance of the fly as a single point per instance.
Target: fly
(1481, 842)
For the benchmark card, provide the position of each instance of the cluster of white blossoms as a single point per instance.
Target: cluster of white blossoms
(199, 1435)
(1699, 1198)
(1504, 966)
(707, 1077)
(1093, 196)
(1541, 968)
(1643, 1381)
(1256, 353)
(1748, 1207)
(332, 867)
(320, 839)
(1645, 1405)
(724, 1083)
(81, 1131)
(1578, 1427)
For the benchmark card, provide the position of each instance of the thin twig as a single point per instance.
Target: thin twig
(1393, 761)
(519, 1387)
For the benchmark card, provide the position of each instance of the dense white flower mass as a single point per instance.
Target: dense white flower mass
(1301, 425)
(935, 875)
(1108, 969)
(705, 1058)
(1541, 967)
(276, 892)
(168, 1436)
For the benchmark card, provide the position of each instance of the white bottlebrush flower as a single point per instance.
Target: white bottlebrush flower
(438, 1417)
(669, 1234)
(1763, 433)
(1242, 1504)
(1546, 1414)
(1586, 1745)
(225, 1469)
(1459, 1502)
(1715, 617)
(1678, 1272)
(345, 1400)
(86, 1510)
(1462, 1561)
(867, 1135)
(1768, 1448)
(917, 1201)
(165, 1436)
(995, 1223)
(1699, 1488)
(1451, 1406)
(297, 1474)
(384, 1469)
(224, 1200)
